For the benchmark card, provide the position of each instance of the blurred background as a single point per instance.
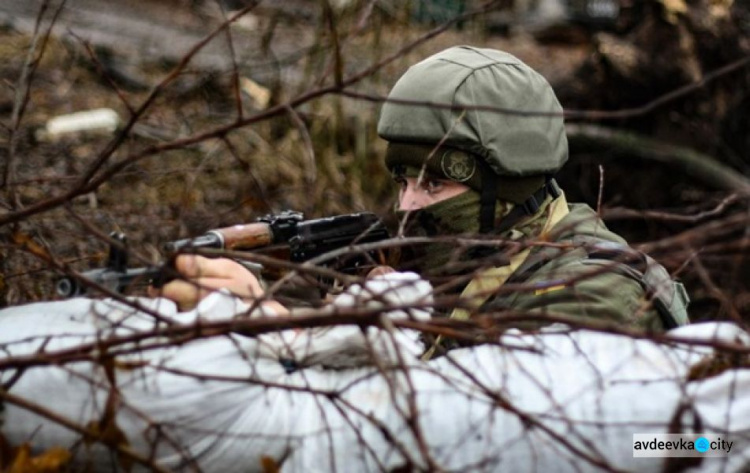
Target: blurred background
(218, 112)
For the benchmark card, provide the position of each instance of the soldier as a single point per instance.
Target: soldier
(474, 139)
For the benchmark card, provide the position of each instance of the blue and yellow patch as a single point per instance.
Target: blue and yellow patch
(548, 286)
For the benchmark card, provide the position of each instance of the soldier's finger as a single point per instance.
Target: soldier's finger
(185, 294)
(196, 266)
(239, 287)
(189, 293)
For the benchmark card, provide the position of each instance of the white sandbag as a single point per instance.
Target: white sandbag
(558, 401)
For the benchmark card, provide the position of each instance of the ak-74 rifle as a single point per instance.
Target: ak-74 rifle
(300, 240)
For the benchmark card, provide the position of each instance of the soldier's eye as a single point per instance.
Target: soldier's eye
(432, 186)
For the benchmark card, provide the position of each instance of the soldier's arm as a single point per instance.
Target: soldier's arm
(582, 290)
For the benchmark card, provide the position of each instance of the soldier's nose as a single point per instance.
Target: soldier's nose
(410, 199)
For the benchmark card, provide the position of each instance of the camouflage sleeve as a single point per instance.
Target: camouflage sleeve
(588, 289)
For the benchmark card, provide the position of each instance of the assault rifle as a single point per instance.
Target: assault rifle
(301, 240)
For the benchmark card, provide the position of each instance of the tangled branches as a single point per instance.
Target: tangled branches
(242, 122)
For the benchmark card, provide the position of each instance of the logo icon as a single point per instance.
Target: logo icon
(702, 444)
(458, 166)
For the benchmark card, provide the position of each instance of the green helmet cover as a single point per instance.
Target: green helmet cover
(524, 134)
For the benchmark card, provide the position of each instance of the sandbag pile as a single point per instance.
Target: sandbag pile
(353, 398)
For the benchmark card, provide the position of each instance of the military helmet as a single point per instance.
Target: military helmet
(487, 111)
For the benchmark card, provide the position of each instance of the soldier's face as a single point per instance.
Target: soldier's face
(415, 194)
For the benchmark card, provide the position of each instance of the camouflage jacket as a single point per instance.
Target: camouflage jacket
(591, 273)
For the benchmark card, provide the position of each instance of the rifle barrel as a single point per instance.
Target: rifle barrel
(109, 278)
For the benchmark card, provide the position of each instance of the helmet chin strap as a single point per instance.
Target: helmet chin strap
(487, 202)
(529, 207)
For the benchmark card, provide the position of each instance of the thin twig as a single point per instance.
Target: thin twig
(23, 91)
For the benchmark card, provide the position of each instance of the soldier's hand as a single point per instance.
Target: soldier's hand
(202, 276)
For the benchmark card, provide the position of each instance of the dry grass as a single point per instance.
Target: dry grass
(324, 159)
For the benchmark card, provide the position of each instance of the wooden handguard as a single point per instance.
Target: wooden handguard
(245, 237)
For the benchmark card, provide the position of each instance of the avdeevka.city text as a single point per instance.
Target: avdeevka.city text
(682, 444)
